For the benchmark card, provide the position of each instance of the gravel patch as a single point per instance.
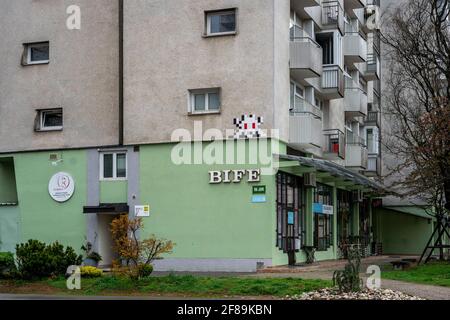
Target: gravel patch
(333, 294)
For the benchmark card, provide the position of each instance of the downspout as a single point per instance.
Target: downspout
(121, 100)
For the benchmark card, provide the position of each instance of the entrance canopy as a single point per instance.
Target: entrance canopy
(332, 172)
(107, 208)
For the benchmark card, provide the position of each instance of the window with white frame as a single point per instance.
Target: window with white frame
(113, 166)
(49, 120)
(204, 101)
(221, 22)
(37, 53)
(297, 96)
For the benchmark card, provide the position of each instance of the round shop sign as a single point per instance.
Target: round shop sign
(61, 187)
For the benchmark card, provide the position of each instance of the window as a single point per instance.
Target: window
(204, 101)
(49, 120)
(37, 53)
(221, 22)
(297, 96)
(323, 223)
(113, 166)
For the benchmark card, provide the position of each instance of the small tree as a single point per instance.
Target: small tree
(348, 280)
(136, 256)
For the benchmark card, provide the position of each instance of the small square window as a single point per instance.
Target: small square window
(204, 101)
(113, 166)
(37, 53)
(50, 120)
(221, 22)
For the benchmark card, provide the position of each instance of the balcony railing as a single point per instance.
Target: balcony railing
(333, 15)
(356, 151)
(335, 142)
(355, 102)
(333, 78)
(373, 117)
(305, 58)
(355, 140)
(373, 166)
(301, 106)
(373, 2)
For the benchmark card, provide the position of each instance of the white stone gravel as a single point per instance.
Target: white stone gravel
(333, 294)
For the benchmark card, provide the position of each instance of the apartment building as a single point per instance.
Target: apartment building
(91, 120)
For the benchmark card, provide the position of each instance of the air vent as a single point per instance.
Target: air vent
(310, 180)
(358, 196)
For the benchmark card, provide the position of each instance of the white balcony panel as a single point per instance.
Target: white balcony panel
(305, 131)
(355, 48)
(356, 156)
(305, 58)
(355, 102)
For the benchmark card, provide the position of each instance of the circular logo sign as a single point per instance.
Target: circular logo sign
(61, 187)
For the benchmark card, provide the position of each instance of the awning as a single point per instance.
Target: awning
(336, 171)
(107, 208)
(411, 210)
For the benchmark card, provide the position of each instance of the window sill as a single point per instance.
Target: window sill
(204, 113)
(113, 179)
(225, 34)
(29, 64)
(49, 130)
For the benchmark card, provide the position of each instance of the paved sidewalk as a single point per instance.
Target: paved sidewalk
(325, 271)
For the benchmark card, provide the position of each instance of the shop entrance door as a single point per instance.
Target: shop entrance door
(289, 215)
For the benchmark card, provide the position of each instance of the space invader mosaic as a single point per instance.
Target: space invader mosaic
(248, 127)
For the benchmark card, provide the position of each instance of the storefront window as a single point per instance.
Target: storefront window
(323, 222)
(290, 213)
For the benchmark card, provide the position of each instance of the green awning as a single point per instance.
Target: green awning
(411, 210)
(337, 171)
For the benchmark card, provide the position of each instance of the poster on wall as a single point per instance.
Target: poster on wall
(142, 211)
(61, 187)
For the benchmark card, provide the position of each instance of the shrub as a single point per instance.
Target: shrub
(38, 260)
(145, 270)
(7, 265)
(133, 252)
(91, 272)
(348, 280)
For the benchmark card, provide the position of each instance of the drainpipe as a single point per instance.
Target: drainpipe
(121, 72)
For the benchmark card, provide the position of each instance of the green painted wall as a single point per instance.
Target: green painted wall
(41, 217)
(8, 192)
(401, 233)
(204, 220)
(9, 228)
(113, 191)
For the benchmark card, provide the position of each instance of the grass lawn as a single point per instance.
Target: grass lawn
(437, 274)
(172, 285)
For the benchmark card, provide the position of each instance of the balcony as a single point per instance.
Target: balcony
(356, 154)
(334, 147)
(332, 82)
(355, 103)
(299, 6)
(305, 58)
(373, 118)
(305, 126)
(373, 166)
(355, 48)
(371, 70)
(333, 16)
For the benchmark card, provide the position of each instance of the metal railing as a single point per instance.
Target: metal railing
(333, 15)
(296, 32)
(373, 2)
(303, 107)
(333, 78)
(306, 40)
(355, 140)
(373, 117)
(335, 142)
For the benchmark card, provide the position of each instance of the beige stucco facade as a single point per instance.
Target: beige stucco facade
(81, 77)
(167, 54)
